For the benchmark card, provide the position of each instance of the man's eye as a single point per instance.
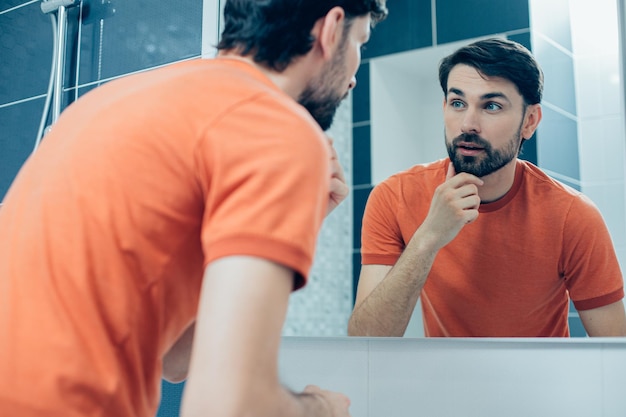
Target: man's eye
(493, 106)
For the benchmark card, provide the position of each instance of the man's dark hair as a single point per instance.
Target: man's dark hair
(275, 32)
(498, 58)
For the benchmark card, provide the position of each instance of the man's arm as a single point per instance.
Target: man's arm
(609, 320)
(176, 361)
(387, 296)
(234, 362)
(338, 190)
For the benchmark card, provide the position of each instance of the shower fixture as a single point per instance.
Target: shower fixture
(57, 9)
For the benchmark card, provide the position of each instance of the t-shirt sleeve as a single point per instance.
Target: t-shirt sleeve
(265, 175)
(381, 238)
(590, 267)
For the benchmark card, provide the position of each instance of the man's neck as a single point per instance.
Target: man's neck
(498, 183)
(292, 80)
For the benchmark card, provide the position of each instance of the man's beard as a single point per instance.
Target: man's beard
(489, 161)
(321, 104)
(322, 97)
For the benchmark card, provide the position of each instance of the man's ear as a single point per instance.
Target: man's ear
(531, 120)
(329, 31)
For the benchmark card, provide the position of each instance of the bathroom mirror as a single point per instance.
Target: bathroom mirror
(580, 140)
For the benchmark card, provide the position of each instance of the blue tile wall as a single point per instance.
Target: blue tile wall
(356, 271)
(558, 70)
(462, 19)
(557, 143)
(126, 36)
(361, 95)
(523, 38)
(361, 155)
(171, 399)
(26, 53)
(529, 151)
(576, 328)
(407, 27)
(361, 195)
(18, 130)
(9, 4)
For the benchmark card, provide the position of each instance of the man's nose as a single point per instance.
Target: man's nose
(471, 121)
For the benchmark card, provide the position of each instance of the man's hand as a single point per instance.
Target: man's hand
(337, 404)
(338, 188)
(454, 204)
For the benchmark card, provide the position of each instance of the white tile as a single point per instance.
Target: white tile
(337, 364)
(476, 379)
(614, 381)
(611, 201)
(602, 153)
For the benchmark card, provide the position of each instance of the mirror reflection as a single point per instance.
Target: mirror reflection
(579, 140)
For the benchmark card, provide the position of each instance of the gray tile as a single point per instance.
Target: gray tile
(337, 364)
(482, 377)
(26, 44)
(119, 37)
(462, 19)
(407, 27)
(18, 131)
(558, 70)
(557, 144)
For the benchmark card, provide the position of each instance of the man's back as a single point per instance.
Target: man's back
(107, 229)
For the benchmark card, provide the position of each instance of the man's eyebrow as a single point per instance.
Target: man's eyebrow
(456, 91)
(488, 96)
(496, 94)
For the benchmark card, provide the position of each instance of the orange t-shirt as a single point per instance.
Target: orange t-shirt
(107, 228)
(511, 272)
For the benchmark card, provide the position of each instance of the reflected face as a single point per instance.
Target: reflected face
(324, 94)
(484, 121)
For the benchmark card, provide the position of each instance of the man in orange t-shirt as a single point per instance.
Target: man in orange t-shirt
(179, 208)
(489, 243)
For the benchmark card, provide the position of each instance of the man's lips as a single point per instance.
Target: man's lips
(469, 148)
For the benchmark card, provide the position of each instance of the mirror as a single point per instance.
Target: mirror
(583, 106)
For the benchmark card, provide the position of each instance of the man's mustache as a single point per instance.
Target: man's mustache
(471, 138)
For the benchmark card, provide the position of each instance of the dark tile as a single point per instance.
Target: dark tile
(9, 4)
(522, 38)
(170, 399)
(361, 155)
(26, 44)
(361, 95)
(557, 144)
(119, 37)
(408, 26)
(356, 271)
(360, 199)
(529, 150)
(462, 19)
(552, 19)
(558, 71)
(576, 328)
(18, 131)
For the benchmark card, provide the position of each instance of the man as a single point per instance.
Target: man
(489, 243)
(179, 208)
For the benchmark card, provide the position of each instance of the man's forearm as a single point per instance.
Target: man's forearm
(388, 308)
